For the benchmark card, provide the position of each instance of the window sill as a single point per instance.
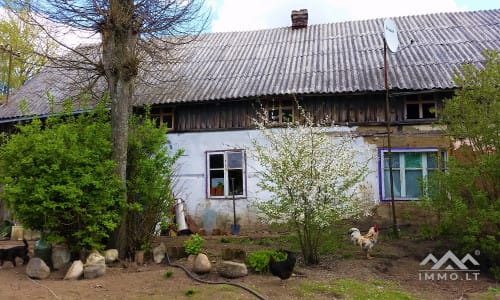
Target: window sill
(226, 197)
(401, 199)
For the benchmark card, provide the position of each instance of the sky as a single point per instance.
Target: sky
(242, 15)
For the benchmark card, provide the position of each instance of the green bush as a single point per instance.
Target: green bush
(193, 244)
(150, 172)
(58, 175)
(259, 260)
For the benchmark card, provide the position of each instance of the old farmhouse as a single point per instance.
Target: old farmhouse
(208, 97)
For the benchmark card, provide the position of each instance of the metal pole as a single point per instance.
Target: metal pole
(234, 204)
(395, 229)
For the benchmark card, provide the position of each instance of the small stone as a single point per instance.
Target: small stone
(231, 269)
(75, 271)
(94, 270)
(159, 253)
(110, 256)
(202, 264)
(37, 269)
(95, 258)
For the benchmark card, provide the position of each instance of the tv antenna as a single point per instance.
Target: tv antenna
(391, 41)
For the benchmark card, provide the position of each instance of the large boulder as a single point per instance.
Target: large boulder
(37, 268)
(231, 269)
(201, 264)
(75, 271)
(159, 253)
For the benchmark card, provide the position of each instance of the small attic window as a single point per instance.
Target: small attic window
(164, 117)
(418, 107)
(280, 111)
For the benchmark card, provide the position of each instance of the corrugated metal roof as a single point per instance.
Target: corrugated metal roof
(340, 57)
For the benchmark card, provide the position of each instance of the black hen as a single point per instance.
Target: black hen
(282, 269)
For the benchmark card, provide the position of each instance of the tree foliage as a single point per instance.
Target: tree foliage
(20, 45)
(467, 195)
(58, 177)
(150, 181)
(313, 179)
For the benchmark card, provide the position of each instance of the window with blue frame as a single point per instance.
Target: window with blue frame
(410, 169)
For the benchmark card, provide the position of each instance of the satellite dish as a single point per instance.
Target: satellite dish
(391, 35)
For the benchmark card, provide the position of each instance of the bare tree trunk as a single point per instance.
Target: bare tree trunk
(119, 41)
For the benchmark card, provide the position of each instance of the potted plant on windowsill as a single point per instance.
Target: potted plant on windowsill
(219, 189)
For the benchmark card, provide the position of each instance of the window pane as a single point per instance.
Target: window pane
(287, 115)
(431, 174)
(428, 110)
(432, 162)
(235, 160)
(216, 178)
(413, 160)
(413, 183)
(237, 175)
(412, 111)
(216, 161)
(273, 115)
(396, 184)
(167, 121)
(395, 160)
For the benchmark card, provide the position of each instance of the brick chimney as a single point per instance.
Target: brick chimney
(299, 18)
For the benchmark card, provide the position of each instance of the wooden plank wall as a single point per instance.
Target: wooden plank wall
(368, 109)
(239, 114)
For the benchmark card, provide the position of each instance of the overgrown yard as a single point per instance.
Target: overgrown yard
(344, 273)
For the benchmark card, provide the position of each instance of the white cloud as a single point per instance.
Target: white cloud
(238, 15)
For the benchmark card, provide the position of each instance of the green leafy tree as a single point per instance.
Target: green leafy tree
(58, 177)
(467, 195)
(150, 173)
(312, 177)
(20, 45)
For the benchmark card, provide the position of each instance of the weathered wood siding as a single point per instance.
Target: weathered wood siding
(367, 109)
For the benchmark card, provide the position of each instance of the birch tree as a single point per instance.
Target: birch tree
(312, 177)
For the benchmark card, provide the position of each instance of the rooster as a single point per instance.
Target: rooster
(366, 241)
(282, 269)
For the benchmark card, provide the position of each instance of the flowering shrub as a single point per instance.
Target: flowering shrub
(313, 178)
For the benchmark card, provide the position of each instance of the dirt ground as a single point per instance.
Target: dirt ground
(395, 260)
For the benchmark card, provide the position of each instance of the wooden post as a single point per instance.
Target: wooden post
(395, 228)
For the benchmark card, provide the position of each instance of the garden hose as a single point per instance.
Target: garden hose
(196, 278)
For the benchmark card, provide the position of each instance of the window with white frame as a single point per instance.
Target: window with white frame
(410, 168)
(226, 173)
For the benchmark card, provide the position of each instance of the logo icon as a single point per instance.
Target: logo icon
(449, 267)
